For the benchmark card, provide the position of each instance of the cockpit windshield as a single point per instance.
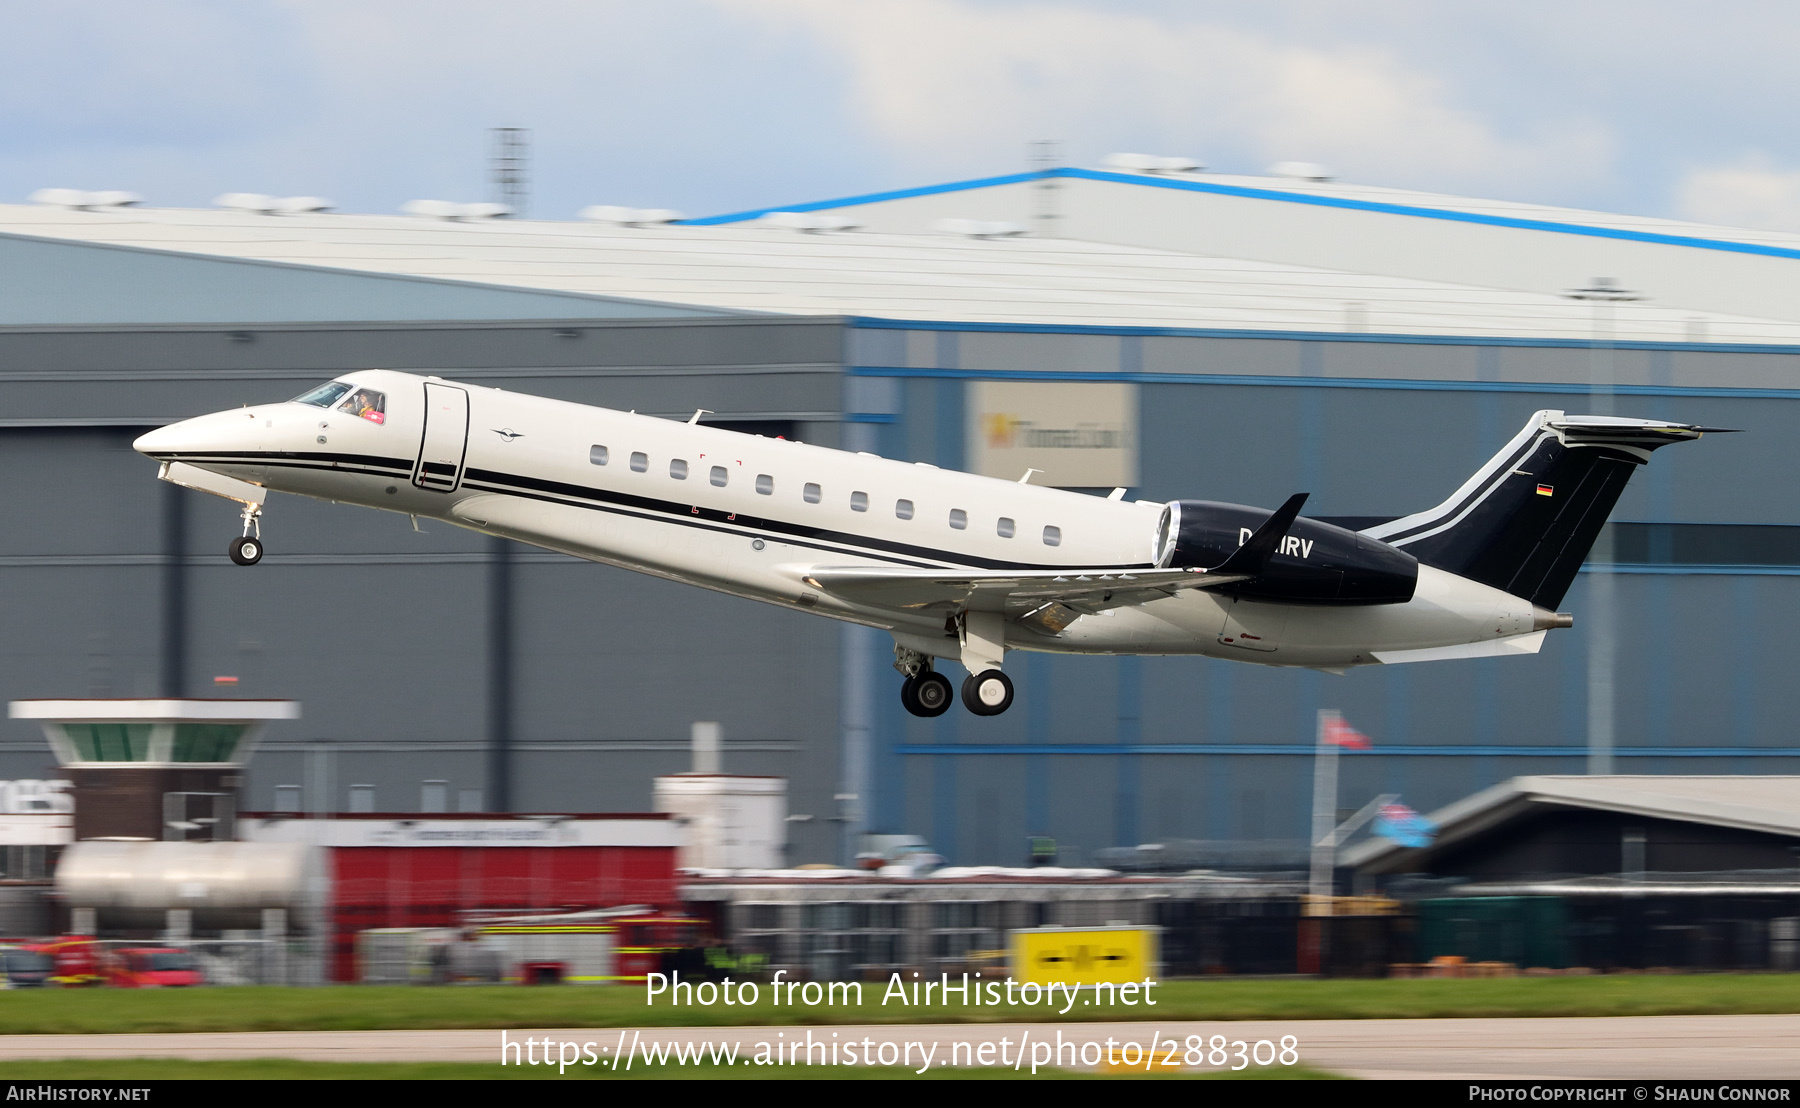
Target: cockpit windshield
(325, 395)
(364, 403)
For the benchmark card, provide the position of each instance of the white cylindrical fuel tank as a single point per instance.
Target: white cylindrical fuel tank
(225, 884)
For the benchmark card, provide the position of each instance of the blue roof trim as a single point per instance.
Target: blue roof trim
(872, 323)
(871, 198)
(1416, 212)
(1282, 197)
(1270, 380)
(1306, 749)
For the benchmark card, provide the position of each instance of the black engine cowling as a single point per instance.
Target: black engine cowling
(1317, 563)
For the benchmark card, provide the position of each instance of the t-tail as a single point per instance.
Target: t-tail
(1526, 521)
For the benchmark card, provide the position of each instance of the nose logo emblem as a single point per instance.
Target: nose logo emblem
(508, 434)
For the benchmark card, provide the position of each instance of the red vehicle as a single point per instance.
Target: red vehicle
(67, 960)
(644, 940)
(151, 967)
(73, 961)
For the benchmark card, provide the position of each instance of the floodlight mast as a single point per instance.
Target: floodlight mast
(1602, 294)
(1045, 155)
(509, 161)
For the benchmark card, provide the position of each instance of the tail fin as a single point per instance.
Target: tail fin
(1525, 522)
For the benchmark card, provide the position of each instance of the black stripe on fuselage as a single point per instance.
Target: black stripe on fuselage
(342, 463)
(644, 507)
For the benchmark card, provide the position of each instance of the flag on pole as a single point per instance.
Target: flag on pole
(1339, 733)
(1404, 826)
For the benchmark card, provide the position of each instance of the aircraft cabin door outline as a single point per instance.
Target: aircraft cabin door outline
(445, 441)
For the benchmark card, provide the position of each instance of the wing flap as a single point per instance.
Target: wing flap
(999, 590)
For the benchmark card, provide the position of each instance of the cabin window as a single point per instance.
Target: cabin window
(1004, 528)
(639, 461)
(903, 509)
(765, 484)
(1053, 536)
(812, 493)
(367, 404)
(324, 396)
(718, 476)
(597, 455)
(678, 468)
(859, 501)
(959, 519)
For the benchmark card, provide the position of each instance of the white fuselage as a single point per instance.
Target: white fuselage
(753, 515)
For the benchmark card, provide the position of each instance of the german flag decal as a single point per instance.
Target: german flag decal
(1546, 490)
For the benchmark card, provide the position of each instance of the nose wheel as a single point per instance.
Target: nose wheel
(247, 549)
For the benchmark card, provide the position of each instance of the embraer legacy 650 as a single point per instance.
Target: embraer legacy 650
(952, 565)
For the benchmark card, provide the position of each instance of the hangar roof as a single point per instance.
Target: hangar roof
(1769, 804)
(759, 268)
(1365, 228)
(1351, 196)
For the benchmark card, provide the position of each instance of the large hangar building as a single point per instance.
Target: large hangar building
(1178, 334)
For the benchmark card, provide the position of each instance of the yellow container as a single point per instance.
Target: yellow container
(1086, 956)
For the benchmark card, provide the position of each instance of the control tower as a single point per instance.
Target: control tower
(154, 770)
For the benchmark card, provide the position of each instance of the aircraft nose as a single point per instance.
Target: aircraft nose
(165, 442)
(227, 430)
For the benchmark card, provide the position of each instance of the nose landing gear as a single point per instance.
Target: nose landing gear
(247, 549)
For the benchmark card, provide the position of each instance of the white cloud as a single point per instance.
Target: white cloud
(716, 105)
(947, 79)
(1752, 193)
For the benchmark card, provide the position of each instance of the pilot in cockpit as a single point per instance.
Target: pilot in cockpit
(368, 404)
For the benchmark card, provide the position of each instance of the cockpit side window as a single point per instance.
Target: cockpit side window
(325, 395)
(367, 404)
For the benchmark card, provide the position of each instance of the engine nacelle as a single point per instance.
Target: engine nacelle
(1317, 563)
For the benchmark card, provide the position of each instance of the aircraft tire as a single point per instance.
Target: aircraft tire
(246, 550)
(926, 695)
(987, 693)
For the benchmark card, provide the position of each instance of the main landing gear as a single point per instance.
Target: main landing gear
(987, 693)
(926, 695)
(926, 692)
(247, 549)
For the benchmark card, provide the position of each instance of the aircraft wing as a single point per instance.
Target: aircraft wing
(1048, 599)
(1032, 593)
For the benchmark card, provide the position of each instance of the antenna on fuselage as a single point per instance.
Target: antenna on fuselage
(1026, 480)
(698, 412)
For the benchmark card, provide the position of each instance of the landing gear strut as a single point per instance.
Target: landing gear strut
(247, 549)
(925, 692)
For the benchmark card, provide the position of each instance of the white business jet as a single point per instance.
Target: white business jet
(954, 566)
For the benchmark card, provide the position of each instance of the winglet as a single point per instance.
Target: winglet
(1253, 557)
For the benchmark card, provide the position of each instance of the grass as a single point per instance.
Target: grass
(366, 1007)
(285, 1069)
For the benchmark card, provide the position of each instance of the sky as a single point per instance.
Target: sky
(1658, 108)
